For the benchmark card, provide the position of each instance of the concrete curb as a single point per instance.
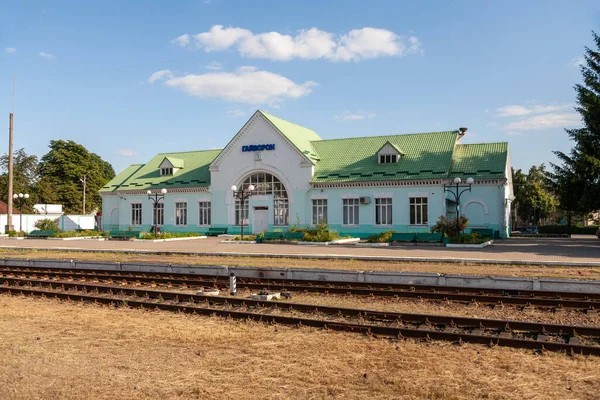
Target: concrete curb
(314, 256)
(469, 246)
(170, 239)
(385, 277)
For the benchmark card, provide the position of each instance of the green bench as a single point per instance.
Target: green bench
(293, 235)
(268, 235)
(402, 237)
(118, 234)
(216, 231)
(41, 233)
(484, 232)
(426, 237)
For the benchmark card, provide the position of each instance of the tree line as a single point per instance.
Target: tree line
(57, 177)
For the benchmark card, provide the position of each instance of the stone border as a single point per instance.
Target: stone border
(99, 238)
(469, 246)
(169, 240)
(338, 241)
(238, 241)
(366, 244)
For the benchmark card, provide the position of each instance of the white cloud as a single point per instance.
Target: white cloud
(246, 85)
(126, 152)
(356, 45)
(236, 113)
(159, 75)
(47, 55)
(577, 61)
(551, 120)
(10, 50)
(518, 111)
(213, 65)
(182, 41)
(354, 116)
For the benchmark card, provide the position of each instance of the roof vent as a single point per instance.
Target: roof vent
(462, 130)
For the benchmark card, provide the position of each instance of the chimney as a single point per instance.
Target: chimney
(463, 131)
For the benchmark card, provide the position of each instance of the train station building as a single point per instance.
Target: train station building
(358, 186)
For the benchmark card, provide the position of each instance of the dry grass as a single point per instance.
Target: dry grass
(75, 351)
(263, 262)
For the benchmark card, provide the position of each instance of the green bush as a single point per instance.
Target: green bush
(447, 226)
(14, 233)
(563, 229)
(247, 238)
(167, 235)
(320, 233)
(47, 224)
(68, 234)
(383, 237)
(469, 238)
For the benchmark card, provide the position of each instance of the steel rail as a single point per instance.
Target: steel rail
(427, 330)
(582, 301)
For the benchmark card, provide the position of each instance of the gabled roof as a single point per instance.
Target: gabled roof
(147, 176)
(426, 156)
(175, 162)
(398, 149)
(480, 161)
(300, 136)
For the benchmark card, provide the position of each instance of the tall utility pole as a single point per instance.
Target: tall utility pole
(9, 225)
(83, 180)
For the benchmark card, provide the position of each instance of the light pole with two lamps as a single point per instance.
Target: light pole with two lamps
(156, 198)
(20, 199)
(457, 186)
(242, 195)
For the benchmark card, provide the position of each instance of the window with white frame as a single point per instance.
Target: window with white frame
(319, 211)
(204, 213)
(158, 214)
(383, 211)
(136, 214)
(282, 211)
(388, 158)
(350, 211)
(180, 213)
(418, 210)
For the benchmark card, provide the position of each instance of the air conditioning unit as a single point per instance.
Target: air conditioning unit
(365, 200)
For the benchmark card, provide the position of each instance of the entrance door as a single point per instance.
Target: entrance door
(260, 219)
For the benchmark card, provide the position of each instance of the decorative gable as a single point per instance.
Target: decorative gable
(389, 153)
(170, 165)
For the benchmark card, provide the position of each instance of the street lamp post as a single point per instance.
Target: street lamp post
(457, 186)
(20, 199)
(242, 195)
(156, 198)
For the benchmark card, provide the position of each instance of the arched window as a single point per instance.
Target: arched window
(266, 184)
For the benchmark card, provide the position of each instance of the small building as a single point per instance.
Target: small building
(358, 186)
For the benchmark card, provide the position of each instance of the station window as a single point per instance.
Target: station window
(350, 211)
(319, 211)
(418, 210)
(181, 213)
(136, 214)
(158, 214)
(204, 213)
(383, 211)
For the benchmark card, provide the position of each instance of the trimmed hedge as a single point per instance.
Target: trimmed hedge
(576, 230)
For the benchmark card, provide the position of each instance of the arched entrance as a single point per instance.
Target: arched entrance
(264, 184)
(114, 218)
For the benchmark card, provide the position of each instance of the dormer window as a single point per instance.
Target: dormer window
(389, 154)
(170, 165)
(166, 171)
(388, 158)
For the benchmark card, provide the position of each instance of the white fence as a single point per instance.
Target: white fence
(65, 222)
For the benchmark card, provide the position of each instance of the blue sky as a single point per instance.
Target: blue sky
(132, 79)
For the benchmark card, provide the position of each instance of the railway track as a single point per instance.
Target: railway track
(541, 336)
(557, 301)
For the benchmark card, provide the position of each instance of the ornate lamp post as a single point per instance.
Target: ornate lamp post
(455, 190)
(242, 195)
(156, 198)
(20, 199)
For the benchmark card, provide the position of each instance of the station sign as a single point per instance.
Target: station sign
(258, 147)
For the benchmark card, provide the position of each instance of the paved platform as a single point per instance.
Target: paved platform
(578, 250)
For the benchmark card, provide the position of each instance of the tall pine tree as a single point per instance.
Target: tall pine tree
(577, 181)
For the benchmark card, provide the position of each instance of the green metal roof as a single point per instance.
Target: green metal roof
(175, 162)
(426, 156)
(147, 176)
(480, 161)
(300, 136)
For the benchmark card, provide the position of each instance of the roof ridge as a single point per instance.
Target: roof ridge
(479, 144)
(382, 136)
(289, 122)
(189, 151)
